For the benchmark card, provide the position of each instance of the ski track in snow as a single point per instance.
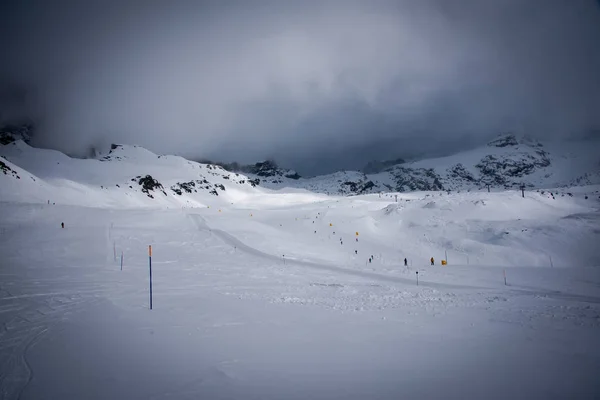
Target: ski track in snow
(232, 241)
(229, 239)
(29, 322)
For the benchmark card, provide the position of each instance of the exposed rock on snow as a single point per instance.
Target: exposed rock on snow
(6, 170)
(501, 170)
(149, 184)
(506, 163)
(413, 179)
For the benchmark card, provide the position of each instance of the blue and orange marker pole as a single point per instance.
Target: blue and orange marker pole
(150, 265)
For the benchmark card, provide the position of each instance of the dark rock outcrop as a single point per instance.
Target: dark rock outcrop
(459, 172)
(502, 170)
(416, 179)
(150, 184)
(10, 133)
(8, 170)
(360, 187)
(504, 141)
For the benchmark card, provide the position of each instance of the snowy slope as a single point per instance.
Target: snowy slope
(251, 303)
(508, 161)
(119, 179)
(288, 294)
(498, 228)
(504, 163)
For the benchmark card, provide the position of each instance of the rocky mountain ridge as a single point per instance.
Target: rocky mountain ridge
(506, 162)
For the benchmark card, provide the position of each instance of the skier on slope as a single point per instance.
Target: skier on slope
(432, 261)
(405, 262)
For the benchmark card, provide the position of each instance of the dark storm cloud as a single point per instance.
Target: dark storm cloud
(316, 85)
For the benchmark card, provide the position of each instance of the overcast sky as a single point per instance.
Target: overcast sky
(317, 85)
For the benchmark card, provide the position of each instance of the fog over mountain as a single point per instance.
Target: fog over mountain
(318, 86)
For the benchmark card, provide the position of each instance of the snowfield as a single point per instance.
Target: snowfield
(261, 294)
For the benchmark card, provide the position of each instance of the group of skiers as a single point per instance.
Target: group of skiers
(406, 261)
(371, 258)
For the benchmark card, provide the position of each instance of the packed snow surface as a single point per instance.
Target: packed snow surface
(261, 294)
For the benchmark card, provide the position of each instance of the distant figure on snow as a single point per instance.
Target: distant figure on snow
(62, 225)
(432, 261)
(355, 251)
(405, 262)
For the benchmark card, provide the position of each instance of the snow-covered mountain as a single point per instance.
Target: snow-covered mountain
(129, 176)
(133, 176)
(506, 162)
(267, 169)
